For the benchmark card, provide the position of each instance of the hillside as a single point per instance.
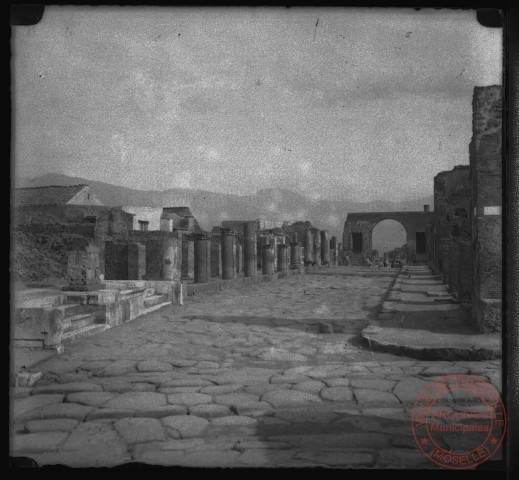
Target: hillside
(211, 208)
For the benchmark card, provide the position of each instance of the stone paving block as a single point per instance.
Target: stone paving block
(224, 459)
(183, 444)
(306, 415)
(187, 382)
(367, 396)
(363, 440)
(160, 412)
(25, 405)
(338, 458)
(336, 382)
(188, 399)
(309, 386)
(110, 413)
(54, 425)
(187, 425)
(137, 400)
(207, 364)
(138, 430)
(119, 367)
(88, 458)
(440, 371)
(373, 384)
(261, 457)
(220, 389)
(408, 389)
(277, 379)
(93, 436)
(67, 388)
(297, 370)
(59, 410)
(261, 388)
(233, 420)
(254, 409)
(210, 410)
(281, 355)
(37, 442)
(235, 398)
(130, 387)
(337, 394)
(168, 390)
(92, 399)
(153, 366)
(280, 398)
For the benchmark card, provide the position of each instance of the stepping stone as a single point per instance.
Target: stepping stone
(236, 398)
(60, 410)
(209, 410)
(151, 366)
(38, 442)
(233, 420)
(138, 430)
(130, 387)
(280, 379)
(279, 398)
(92, 399)
(54, 425)
(187, 425)
(189, 398)
(137, 400)
(68, 388)
(93, 437)
(337, 394)
(169, 390)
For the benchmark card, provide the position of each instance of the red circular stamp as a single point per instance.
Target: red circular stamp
(459, 421)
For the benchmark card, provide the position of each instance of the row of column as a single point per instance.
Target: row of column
(212, 259)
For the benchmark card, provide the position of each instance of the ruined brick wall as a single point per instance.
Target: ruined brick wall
(486, 175)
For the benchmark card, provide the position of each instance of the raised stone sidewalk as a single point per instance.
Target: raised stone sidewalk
(420, 319)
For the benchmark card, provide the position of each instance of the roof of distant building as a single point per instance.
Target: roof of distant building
(180, 211)
(48, 195)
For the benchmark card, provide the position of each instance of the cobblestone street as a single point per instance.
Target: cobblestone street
(269, 375)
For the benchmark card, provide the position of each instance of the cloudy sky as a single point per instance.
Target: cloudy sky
(357, 103)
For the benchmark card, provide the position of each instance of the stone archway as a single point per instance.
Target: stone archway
(357, 237)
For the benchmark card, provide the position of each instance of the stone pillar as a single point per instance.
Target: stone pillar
(83, 266)
(202, 259)
(333, 251)
(249, 249)
(267, 259)
(228, 254)
(136, 261)
(316, 247)
(282, 258)
(239, 257)
(216, 258)
(309, 247)
(295, 255)
(188, 256)
(171, 259)
(325, 247)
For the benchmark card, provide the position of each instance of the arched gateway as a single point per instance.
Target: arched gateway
(358, 230)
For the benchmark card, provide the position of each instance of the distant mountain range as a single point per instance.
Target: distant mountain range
(211, 208)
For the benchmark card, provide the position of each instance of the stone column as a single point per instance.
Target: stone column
(188, 256)
(295, 255)
(316, 247)
(282, 258)
(325, 247)
(334, 251)
(216, 258)
(267, 259)
(249, 249)
(309, 247)
(202, 259)
(228, 254)
(136, 261)
(171, 259)
(83, 266)
(239, 257)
